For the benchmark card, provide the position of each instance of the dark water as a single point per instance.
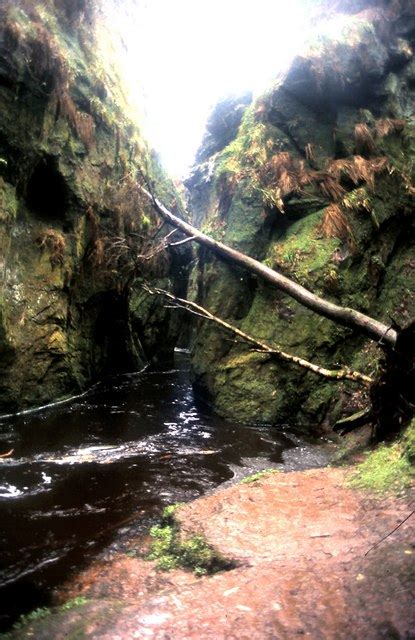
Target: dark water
(85, 476)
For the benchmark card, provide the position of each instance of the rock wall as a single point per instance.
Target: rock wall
(317, 182)
(71, 218)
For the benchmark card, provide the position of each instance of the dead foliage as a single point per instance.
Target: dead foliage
(330, 186)
(48, 67)
(364, 141)
(96, 251)
(54, 242)
(335, 223)
(310, 152)
(284, 174)
(387, 126)
(81, 123)
(129, 242)
(357, 169)
(281, 176)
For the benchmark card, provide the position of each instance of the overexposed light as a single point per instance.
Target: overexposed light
(182, 56)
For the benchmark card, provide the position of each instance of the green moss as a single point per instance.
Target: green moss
(260, 475)
(79, 601)
(44, 612)
(302, 253)
(36, 614)
(408, 442)
(8, 202)
(388, 468)
(242, 359)
(171, 552)
(248, 149)
(170, 510)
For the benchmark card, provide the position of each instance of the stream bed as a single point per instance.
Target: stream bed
(86, 476)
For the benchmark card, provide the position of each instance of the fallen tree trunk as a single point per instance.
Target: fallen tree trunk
(382, 333)
(332, 374)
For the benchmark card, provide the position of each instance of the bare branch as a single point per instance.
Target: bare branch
(341, 315)
(192, 307)
(176, 244)
(390, 533)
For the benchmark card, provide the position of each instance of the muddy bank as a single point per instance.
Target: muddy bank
(301, 544)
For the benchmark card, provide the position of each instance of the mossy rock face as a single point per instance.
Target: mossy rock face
(68, 149)
(313, 115)
(388, 468)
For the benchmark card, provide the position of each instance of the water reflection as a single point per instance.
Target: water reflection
(81, 473)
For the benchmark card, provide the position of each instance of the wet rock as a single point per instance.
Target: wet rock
(222, 125)
(358, 80)
(70, 214)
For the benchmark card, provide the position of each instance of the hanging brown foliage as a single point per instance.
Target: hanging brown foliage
(81, 123)
(97, 253)
(364, 139)
(357, 169)
(365, 170)
(310, 152)
(387, 126)
(330, 186)
(285, 173)
(49, 68)
(335, 223)
(54, 242)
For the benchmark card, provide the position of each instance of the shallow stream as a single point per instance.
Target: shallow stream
(85, 476)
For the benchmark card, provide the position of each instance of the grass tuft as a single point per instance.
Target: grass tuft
(195, 553)
(385, 469)
(260, 475)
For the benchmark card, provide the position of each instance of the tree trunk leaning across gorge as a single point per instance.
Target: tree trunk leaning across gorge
(345, 316)
(262, 347)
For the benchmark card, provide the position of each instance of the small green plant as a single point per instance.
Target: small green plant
(164, 547)
(194, 553)
(44, 612)
(259, 475)
(170, 510)
(74, 602)
(27, 618)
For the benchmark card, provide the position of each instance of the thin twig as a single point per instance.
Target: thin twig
(176, 244)
(390, 533)
(7, 454)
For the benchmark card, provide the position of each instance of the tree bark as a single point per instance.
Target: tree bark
(382, 333)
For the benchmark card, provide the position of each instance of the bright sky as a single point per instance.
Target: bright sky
(182, 56)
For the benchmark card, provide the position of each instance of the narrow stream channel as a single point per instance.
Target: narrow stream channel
(85, 476)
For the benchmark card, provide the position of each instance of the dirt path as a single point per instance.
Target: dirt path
(299, 542)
